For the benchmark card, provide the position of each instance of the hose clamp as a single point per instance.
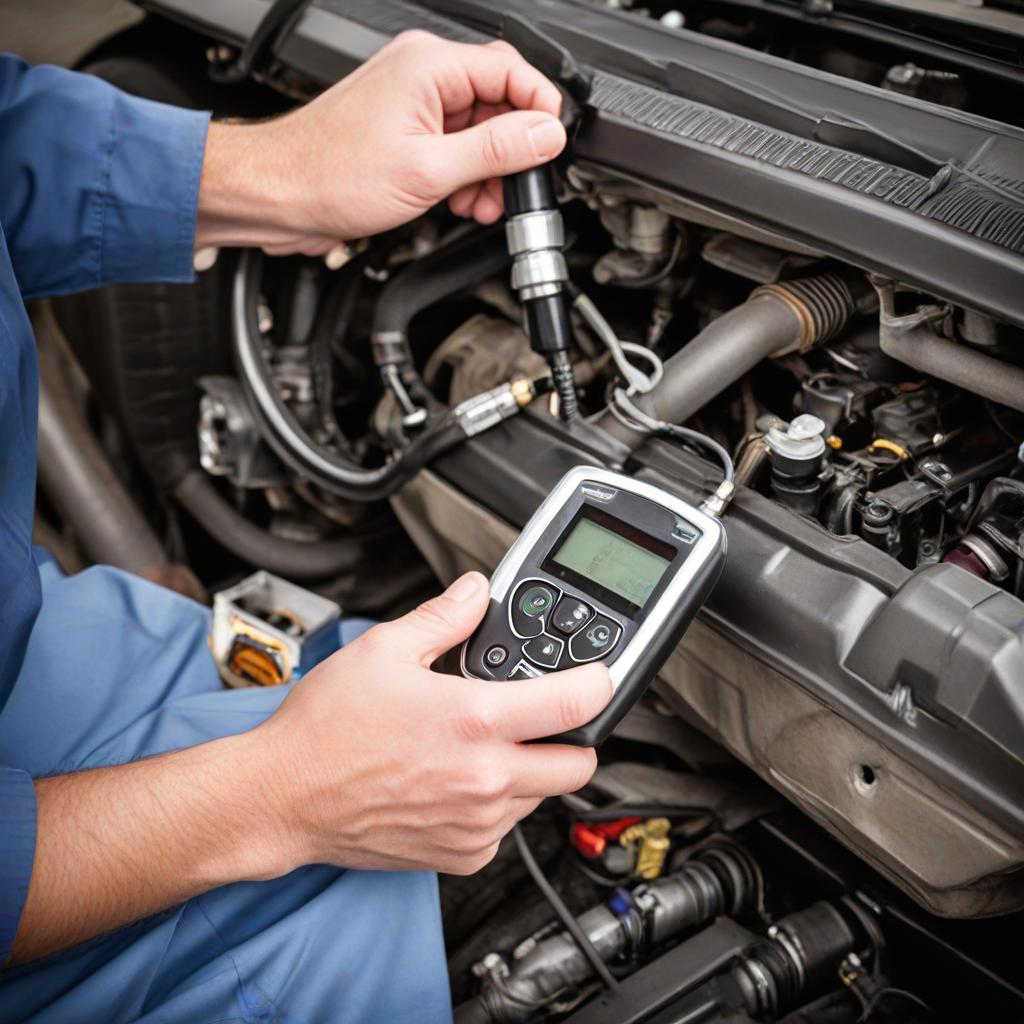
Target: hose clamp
(540, 229)
(537, 268)
(790, 946)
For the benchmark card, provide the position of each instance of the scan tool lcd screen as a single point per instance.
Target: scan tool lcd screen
(619, 559)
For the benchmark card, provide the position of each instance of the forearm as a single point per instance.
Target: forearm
(250, 192)
(117, 844)
(233, 188)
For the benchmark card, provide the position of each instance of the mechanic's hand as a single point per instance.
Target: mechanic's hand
(422, 120)
(382, 763)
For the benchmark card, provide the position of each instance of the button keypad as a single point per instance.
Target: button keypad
(570, 614)
(543, 650)
(596, 640)
(531, 606)
(496, 655)
(557, 630)
(524, 670)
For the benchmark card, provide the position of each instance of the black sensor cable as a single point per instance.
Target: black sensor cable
(565, 915)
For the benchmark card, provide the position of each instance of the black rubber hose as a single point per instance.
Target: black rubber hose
(957, 364)
(474, 1011)
(793, 315)
(287, 436)
(616, 811)
(279, 19)
(327, 337)
(294, 559)
(464, 262)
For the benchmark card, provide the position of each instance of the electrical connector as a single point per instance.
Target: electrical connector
(720, 500)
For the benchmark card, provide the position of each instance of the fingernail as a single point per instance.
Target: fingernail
(546, 137)
(464, 587)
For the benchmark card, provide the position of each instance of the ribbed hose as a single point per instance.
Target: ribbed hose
(721, 879)
(777, 318)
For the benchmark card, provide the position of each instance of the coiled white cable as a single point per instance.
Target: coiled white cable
(625, 410)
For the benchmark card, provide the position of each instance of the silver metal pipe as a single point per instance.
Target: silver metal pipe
(87, 493)
(78, 478)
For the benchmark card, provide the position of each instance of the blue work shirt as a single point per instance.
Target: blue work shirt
(96, 187)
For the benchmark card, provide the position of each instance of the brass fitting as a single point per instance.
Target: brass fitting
(522, 390)
(652, 841)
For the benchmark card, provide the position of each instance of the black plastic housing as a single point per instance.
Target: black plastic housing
(528, 191)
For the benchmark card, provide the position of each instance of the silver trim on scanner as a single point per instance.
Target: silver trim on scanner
(504, 575)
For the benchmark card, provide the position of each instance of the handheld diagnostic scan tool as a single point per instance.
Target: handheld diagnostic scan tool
(608, 569)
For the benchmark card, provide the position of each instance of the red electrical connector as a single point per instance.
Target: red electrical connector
(591, 838)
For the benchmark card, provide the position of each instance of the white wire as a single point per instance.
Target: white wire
(625, 410)
(653, 379)
(638, 382)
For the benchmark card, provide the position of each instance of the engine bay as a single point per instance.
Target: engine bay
(815, 814)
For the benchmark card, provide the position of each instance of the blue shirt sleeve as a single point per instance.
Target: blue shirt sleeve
(17, 851)
(96, 186)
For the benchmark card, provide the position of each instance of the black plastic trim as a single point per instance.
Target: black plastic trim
(961, 241)
(833, 614)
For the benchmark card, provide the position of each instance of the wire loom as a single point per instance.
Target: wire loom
(951, 197)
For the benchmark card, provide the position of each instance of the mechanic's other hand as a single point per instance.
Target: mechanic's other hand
(378, 762)
(423, 120)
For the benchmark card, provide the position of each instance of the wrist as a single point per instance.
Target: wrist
(258, 835)
(247, 197)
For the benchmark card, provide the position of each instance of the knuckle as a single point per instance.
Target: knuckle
(507, 821)
(495, 149)
(432, 616)
(478, 722)
(477, 819)
(570, 710)
(585, 771)
(423, 176)
(379, 640)
(464, 866)
(503, 46)
(412, 37)
(480, 860)
(490, 787)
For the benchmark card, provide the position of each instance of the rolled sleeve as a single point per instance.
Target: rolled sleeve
(17, 851)
(99, 187)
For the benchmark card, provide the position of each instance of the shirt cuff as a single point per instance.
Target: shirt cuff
(151, 196)
(17, 851)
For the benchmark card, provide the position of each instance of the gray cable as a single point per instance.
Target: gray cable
(625, 409)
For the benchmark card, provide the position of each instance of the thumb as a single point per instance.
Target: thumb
(439, 624)
(501, 145)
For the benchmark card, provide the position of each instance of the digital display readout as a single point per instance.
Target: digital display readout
(611, 561)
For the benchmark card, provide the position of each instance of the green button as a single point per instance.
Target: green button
(536, 601)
